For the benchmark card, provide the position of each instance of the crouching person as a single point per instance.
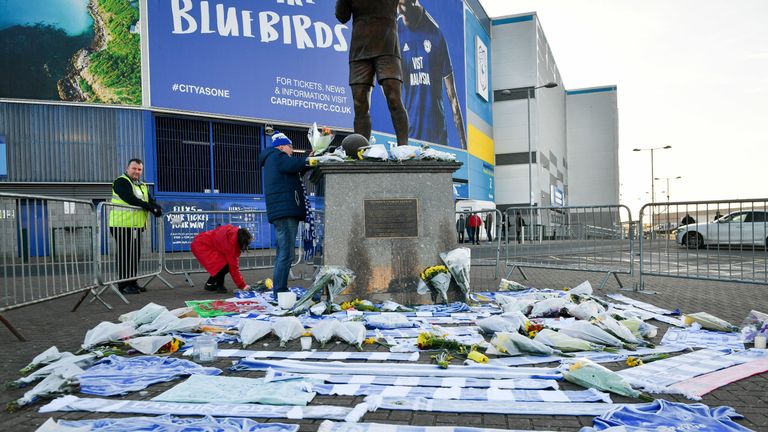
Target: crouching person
(219, 252)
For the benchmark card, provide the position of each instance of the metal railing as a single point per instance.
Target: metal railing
(126, 248)
(584, 238)
(45, 250)
(485, 243)
(182, 227)
(712, 240)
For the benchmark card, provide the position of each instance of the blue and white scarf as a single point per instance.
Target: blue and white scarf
(309, 235)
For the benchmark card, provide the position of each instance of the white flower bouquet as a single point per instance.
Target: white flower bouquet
(320, 139)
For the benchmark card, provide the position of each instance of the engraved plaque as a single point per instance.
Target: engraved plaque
(391, 218)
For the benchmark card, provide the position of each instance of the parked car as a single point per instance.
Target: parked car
(737, 228)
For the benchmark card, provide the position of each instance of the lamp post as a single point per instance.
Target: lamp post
(668, 179)
(530, 158)
(669, 225)
(653, 188)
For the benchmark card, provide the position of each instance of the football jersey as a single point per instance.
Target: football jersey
(662, 415)
(426, 63)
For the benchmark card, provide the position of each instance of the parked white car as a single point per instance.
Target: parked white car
(737, 228)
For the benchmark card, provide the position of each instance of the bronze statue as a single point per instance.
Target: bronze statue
(374, 51)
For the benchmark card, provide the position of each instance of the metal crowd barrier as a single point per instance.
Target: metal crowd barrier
(486, 249)
(126, 248)
(707, 240)
(182, 227)
(45, 250)
(586, 238)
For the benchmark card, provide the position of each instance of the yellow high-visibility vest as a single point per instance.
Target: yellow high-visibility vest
(126, 218)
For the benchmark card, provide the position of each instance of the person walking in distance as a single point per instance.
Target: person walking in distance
(286, 203)
(489, 226)
(461, 224)
(126, 225)
(475, 222)
(519, 224)
(687, 220)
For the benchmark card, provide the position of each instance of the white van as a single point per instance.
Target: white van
(479, 206)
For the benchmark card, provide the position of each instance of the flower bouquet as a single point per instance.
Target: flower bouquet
(431, 341)
(320, 139)
(436, 280)
(709, 322)
(331, 279)
(566, 343)
(458, 262)
(513, 344)
(591, 375)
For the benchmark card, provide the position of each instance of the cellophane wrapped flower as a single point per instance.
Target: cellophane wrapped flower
(458, 263)
(436, 280)
(330, 279)
(588, 374)
(320, 138)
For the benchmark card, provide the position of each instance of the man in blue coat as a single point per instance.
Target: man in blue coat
(286, 203)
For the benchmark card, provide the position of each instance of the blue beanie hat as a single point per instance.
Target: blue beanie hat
(279, 139)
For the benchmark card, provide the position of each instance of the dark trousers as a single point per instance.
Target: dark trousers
(489, 232)
(519, 235)
(128, 253)
(218, 278)
(460, 236)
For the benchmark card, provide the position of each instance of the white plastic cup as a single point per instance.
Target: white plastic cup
(306, 343)
(286, 300)
(760, 341)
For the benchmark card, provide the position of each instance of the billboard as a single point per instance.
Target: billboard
(272, 59)
(71, 50)
(434, 84)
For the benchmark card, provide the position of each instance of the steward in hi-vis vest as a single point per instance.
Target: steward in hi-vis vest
(119, 217)
(126, 225)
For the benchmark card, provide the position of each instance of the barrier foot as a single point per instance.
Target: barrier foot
(82, 297)
(512, 270)
(165, 282)
(13, 330)
(189, 280)
(639, 288)
(618, 281)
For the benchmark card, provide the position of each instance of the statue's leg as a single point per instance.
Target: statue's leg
(361, 95)
(392, 91)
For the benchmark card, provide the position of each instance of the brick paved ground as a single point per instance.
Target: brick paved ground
(51, 323)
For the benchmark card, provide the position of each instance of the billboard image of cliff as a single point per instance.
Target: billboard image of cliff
(71, 50)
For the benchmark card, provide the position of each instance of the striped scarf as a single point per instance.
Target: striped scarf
(309, 235)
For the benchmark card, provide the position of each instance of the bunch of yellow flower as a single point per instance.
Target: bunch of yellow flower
(358, 304)
(431, 272)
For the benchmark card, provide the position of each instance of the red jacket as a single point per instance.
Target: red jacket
(217, 248)
(474, 221)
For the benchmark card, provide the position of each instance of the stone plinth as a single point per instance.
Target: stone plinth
(387, 222)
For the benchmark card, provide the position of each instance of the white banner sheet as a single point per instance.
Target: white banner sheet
(74, 403)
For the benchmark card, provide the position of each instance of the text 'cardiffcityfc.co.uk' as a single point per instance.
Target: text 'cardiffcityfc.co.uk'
(233, 22)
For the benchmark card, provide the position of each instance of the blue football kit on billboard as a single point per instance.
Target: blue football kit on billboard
(271, 60)
(429, 54)
(426, 63)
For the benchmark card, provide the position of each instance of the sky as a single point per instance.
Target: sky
(692, 74)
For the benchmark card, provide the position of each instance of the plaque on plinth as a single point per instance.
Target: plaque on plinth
(387, 221)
